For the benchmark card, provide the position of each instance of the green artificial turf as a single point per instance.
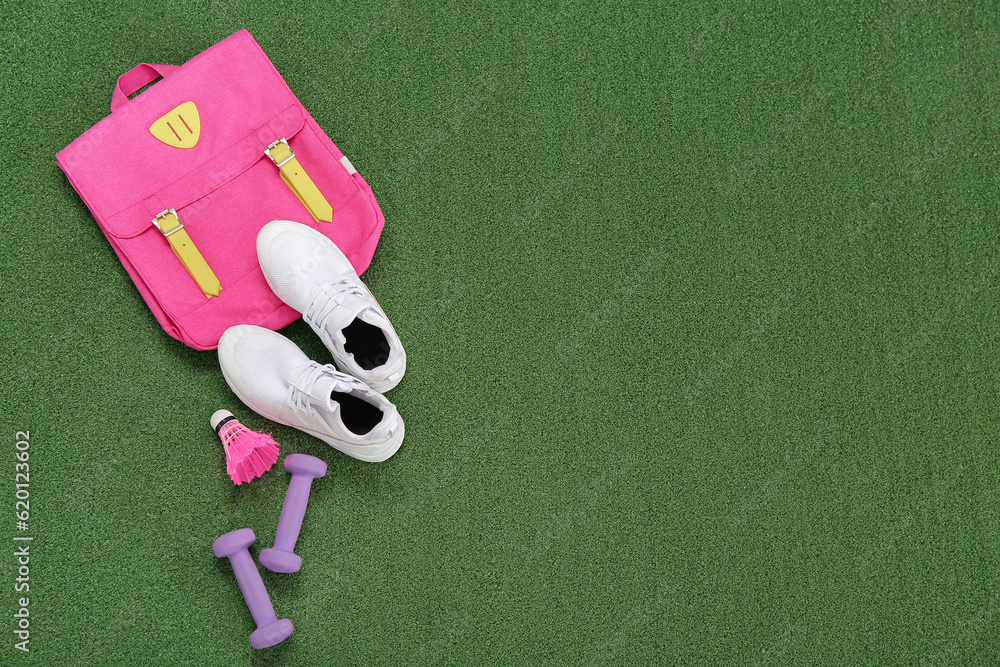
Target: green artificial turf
(701, 311)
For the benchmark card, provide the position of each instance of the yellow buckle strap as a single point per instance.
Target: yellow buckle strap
(296, 178)
(173, 230)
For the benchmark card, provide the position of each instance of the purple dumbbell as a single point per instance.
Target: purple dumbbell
(280, 557)
(234, 546)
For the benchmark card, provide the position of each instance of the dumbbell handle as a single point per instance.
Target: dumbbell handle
(292, 512)
(248, 577)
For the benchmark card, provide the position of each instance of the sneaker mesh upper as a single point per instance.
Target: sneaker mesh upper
(263, 358)
(293, 279)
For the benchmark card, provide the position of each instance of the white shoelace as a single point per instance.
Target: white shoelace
(302, 389)
(320, 310)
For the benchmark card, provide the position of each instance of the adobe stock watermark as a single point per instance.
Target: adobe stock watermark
(22, 540)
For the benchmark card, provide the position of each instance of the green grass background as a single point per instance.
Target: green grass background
(700, 305)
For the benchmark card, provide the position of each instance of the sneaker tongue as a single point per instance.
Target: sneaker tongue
(344, 318)
(326, 386)
(321, 388)
(346, 312)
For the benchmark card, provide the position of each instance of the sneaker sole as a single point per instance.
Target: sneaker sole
(366, 453)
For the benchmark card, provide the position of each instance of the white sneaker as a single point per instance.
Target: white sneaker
(278, 381)
(309, 273)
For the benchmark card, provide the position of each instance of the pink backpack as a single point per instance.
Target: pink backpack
(182, 177)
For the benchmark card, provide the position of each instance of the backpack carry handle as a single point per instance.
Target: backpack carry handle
(134, 79)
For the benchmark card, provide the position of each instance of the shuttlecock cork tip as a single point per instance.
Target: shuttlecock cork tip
(220, 417)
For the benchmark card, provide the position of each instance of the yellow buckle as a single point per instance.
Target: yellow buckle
(296, 178)
(173, 230)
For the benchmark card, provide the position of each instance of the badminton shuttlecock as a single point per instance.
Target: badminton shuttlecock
(249, 454)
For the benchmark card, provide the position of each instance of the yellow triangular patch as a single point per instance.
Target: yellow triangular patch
(179, 127)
